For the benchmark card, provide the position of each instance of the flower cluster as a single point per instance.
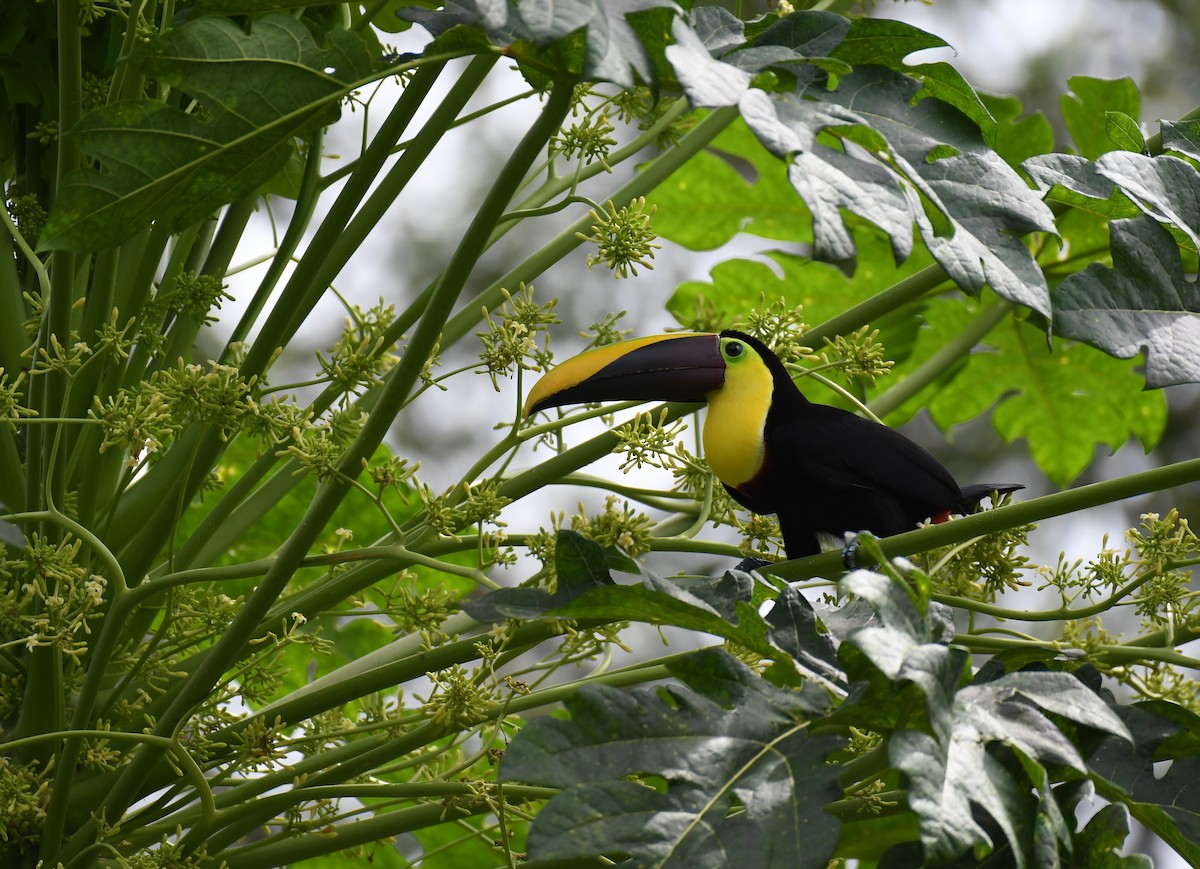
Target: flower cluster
(510, 343)
(623, 237)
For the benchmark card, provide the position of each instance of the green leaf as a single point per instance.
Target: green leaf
(1144, 302)
(888, 43)
(952, 768)
(1085, 110)
(1018, 138)
(1123, 132)
(742, 744)
(157, 163)
(1076, 181)
(794, 628)
(885, 42)
(736, 186)
(1063, 400)
(946, 83)
(741, 285)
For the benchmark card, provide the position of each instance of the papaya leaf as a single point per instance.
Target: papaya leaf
(1085, 110)
(615, 50)
(1165, 187)
(255, 93)
(1168, 803)
(580, 565)
(1076, 181)
(1183, 137)
(1144, 302)
(1123, 132)
(970, 206)
(733, 740)
(735, 186)
(885, 42)
(951, 768)
(1100, 843)
(1018, 137)
(1063, 401)
(740, 285)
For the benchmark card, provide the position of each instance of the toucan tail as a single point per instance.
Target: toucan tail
(976, 492)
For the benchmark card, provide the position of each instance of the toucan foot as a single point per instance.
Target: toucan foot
(750, 563)
(850, 551)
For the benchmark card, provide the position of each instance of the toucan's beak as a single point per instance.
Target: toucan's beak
(679, 367)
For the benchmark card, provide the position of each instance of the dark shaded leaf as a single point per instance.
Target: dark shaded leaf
(1167, 803)
(260, 90)
(745, 745)
(943, 782)
(580, 565)
(662, 602)
(944, 82)
(952, 769)
(1099, 844)
(885, 42)
(794, 629)
(1144, 302)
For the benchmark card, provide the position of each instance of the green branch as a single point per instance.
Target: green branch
(959, 530)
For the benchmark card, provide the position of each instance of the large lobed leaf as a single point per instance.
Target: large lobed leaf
(734, 742)
(1165, 800)
(950, 769)
(902, 159)
(255, 92)
(1143, 302)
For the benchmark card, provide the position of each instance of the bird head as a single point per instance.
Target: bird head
(683, 366)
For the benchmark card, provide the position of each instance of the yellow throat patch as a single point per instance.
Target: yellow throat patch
(737, 416)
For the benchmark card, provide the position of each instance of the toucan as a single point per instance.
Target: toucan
(821, 470)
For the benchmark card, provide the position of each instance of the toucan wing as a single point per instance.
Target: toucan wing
(826, 450)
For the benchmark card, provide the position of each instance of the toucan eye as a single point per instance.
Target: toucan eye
(734, 349)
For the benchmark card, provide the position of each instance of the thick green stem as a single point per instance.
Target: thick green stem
(908, 290)
(330, 248)
(398, 385)
(306, 205)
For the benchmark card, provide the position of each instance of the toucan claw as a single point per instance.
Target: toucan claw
(750, 564)
(850, 551)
